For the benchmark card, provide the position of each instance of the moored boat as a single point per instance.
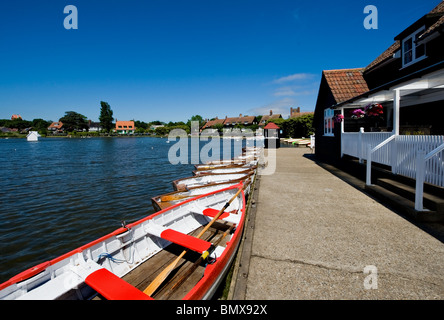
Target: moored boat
(192, 182)
(190, 244)
(243, 169)
(171, 198)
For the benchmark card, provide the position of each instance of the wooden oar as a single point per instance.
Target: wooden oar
(195, 265)
(164, 274)
(173, 197)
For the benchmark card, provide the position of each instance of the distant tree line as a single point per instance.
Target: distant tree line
(296, 127)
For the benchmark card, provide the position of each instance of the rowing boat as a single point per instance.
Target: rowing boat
(171, 198)
(193, 243)
(192, 182)
(222, 170)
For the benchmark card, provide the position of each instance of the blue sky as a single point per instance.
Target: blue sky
(170, 59)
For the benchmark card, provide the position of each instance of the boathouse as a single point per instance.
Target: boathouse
(391, 111)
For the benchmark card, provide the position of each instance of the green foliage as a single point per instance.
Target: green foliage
(73, 121)
(296, 127)
(106, 116)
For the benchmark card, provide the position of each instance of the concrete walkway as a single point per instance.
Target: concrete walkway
(311, 235)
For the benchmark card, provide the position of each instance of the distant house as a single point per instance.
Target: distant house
(125, 127)
(296, 112)
(210, 123)
(94, 126)
(269, 117)
(16, 116)
(56, 127)
(241, 120)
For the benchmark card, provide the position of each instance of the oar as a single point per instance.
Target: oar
(173, 197)
(196, 264)
(164, 274)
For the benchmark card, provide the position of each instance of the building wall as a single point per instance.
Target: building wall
(327, 148)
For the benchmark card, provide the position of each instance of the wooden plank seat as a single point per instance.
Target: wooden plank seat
(112, 287)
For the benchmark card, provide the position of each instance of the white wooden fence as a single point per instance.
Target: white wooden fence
(417, 157)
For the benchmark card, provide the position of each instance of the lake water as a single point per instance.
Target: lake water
(58, 194)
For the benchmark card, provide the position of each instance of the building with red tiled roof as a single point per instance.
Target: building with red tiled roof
(210, 123)
(56, 127)
(16, 116)
(406, 80)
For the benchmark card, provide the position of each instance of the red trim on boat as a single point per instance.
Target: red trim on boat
(112, 287)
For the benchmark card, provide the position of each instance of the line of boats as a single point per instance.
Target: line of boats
(182, 251)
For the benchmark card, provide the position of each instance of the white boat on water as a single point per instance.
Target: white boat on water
(209, 179)
(161, 256)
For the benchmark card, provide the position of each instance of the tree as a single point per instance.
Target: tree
(196, 118)
(74, 121)
(106, 116)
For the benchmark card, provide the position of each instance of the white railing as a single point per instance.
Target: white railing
(432, 162)
(383, 156)
(355, 144)
(418, 157)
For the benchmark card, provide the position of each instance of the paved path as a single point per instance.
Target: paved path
(312, 234)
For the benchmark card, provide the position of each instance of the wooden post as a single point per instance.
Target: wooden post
(420, 173)
(396, 105)
(360, 147)
(368, 178)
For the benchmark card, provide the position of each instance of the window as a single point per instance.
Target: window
(328, 122)
(412, 51)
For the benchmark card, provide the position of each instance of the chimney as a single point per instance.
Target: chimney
(298, 109)
(240, 115)
(271, 112)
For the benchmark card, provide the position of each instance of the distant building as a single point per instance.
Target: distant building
(296, 112)
(125, 127)
(16, 116)
(269, 117)
(56, 127)
(94, 126)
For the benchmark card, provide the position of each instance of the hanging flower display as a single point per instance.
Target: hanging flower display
(357, 114)
(374, 110)
(338, 118)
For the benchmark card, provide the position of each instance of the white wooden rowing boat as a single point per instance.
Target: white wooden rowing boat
(123, 263)
(243, 169)
(208, 179)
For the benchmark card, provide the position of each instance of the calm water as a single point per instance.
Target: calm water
(58, 194)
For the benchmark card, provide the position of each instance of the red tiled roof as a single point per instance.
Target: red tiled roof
(271, 125)
(345, 83)
(211, 123)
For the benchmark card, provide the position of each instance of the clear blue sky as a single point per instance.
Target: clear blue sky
(170, 59)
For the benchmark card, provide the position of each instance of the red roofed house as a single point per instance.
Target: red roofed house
(56, 127)
(125, 127)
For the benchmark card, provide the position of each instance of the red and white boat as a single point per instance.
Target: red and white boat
(185, 239)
